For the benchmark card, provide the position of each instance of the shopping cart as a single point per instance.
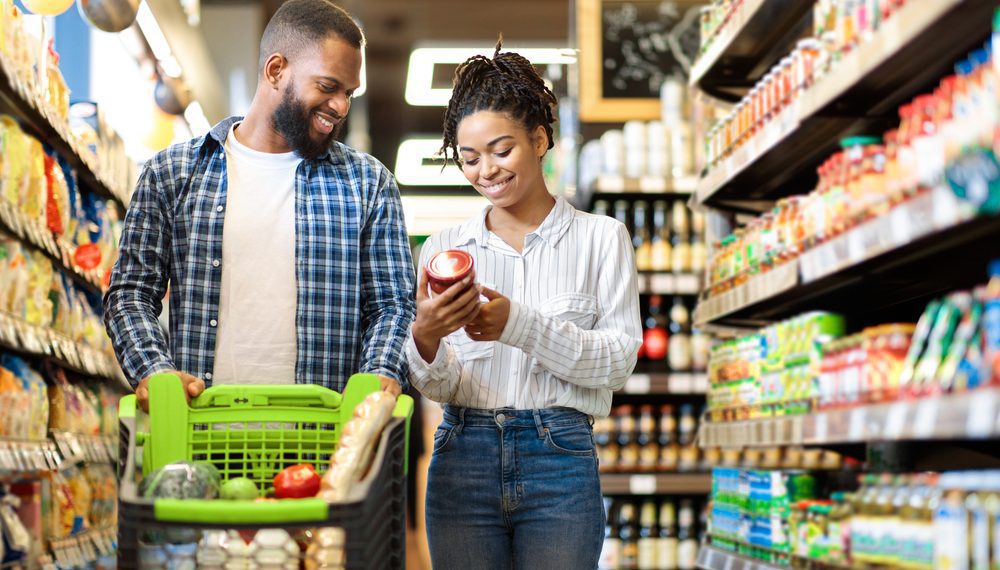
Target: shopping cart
(255, 432)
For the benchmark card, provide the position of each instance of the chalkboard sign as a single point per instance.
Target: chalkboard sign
(627, 49)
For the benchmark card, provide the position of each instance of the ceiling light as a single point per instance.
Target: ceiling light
(419, 164)
(419, 77)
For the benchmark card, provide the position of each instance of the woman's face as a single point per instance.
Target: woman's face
(500, 158)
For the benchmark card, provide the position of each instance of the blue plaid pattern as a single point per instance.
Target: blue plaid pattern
(353, 266)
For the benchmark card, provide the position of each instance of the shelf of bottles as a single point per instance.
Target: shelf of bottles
(652, 533)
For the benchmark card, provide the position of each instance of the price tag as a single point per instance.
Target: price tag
(656, 184)
(820, 427)
(982, 414)
(662, 283)
(856, 425)
(687, 284)
(681, 384)
(614, 184)
(895, 420)
(637, 384)
(642, 484)
(925, 418)
(700, 384)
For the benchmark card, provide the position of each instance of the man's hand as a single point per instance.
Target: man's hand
(492, 318)
(192, 387)
(389, 385)
(441, 315)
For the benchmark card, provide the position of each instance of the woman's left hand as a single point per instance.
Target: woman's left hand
(492, 317)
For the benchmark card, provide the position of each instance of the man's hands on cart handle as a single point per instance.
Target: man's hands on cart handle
(192, 387)
(389, 385)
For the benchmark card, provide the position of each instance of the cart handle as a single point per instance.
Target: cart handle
(235, 395)
(285, 511)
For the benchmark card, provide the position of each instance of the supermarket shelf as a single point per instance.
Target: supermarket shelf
(759, 32)
(712, 558)
(886, 266)
(966, 416)
(860, 94)
(17, 99)
(60, 450)
(39, 236)
(647, 187)
(656, 484)
(666, 383)
(84, 548)
(669, 283)
(19, 336)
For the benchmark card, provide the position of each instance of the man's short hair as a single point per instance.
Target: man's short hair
(299, 24)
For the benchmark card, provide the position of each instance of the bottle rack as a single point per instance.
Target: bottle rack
(883, 270)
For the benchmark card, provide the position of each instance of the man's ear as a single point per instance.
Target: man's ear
(274, 67)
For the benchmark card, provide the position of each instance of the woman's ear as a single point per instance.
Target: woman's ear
(540, 141)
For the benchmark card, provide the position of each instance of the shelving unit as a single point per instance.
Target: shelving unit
(859, 94)
(885, 262)
(41, 342)
(970, 415)
(647, 188)
(883, 270)
(59, 450)
(712, 558)
(656, 483)
(17, 99)
(666, 383)
(757, 34)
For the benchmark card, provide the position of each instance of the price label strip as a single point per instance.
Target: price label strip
(856, 425)
(925, 418)
(895, 421)
(982, 416)
(642, 484)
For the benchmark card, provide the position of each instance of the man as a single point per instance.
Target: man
(285, 251)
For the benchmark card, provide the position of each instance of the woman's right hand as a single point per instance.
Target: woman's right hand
(440, 315)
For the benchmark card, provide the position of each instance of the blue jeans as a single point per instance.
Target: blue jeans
(514, 489)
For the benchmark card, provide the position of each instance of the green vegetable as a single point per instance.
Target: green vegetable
(239, 489)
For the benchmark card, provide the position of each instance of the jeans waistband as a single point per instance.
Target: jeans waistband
(513, 418)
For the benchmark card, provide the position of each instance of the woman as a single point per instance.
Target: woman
(513, 481)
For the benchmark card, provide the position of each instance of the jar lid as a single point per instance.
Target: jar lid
(450, 264)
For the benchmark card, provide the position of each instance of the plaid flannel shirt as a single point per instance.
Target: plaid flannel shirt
(353, 268)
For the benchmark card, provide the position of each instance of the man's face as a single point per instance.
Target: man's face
(317, 96)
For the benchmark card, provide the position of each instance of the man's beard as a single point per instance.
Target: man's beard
(294, 122)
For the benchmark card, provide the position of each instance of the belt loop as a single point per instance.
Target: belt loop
(537, 414)
(461, 419)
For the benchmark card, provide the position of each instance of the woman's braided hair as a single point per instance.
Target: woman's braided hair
(508, 84)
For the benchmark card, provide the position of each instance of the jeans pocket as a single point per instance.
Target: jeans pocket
(442, 438)
(575, 440)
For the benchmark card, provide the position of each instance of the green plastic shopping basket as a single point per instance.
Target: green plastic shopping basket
(256, 431)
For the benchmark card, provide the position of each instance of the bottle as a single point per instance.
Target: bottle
(648, 537)
(654, 337)
(602, 208)
(649, 451)
(666, 438)
(666, 547)
(688, 425)
(628, 458)
(661, 251)
(699, 253)
(606, 440)
(610, 551)
(700, 348)
(628, 535)
(640, 237)
(680, 356)
(687, 537)
(621, 214)
(680, 244)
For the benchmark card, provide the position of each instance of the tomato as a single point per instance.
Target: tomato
(297, 482)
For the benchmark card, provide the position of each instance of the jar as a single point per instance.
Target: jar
(448, 267)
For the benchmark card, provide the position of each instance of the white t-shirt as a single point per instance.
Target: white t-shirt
(255, 341)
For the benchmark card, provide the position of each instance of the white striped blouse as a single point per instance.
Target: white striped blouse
(574, 328)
